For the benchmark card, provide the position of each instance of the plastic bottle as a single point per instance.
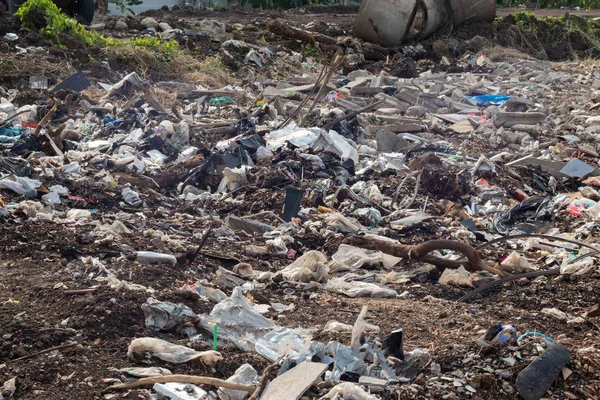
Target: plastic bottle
(150, 257)
(131, 197)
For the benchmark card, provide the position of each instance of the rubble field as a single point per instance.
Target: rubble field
(226, 204)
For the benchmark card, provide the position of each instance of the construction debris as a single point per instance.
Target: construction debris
(254, 205)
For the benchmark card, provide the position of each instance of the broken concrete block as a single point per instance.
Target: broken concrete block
(508, 119)
(416, 111)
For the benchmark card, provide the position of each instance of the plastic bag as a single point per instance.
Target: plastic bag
(245, 374)
(359, 289)
(457, 277)
(348, 391)
(350, 258)
(283, 341)
(335, 143)
(8, 389)
(164, 316)
(141, 372)
(299, 137)
(214, 295)
(583, 267)
(21, 185)
(131, 197)
(143, 348)
(338, 222)
(310, 266)
(77, 214)
(489, 99)
(371, 215)
(515, 263)
(238, 322)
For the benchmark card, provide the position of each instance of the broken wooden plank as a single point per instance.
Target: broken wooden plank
(292, 384)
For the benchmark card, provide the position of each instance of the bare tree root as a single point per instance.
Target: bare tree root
(421, 252)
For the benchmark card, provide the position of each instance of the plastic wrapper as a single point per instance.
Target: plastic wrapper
(311, 266)
(359, 289)
(245, 374)
(144, 348)
(238, 321)
(351, 258)
(457, 277)
(348, 391)
(141, 372)
(164, 316)
(21, 185)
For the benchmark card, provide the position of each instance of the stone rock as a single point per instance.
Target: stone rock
(215, 29)
(171, 33)
(98, 27)
(164, 26)
(416, 111)
(121, 26)
(149, 22)
(359, 73)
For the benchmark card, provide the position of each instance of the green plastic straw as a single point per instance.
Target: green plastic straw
(215, 332)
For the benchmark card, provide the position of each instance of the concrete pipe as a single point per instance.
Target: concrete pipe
(389, 22)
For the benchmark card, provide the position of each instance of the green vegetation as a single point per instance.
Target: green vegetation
(146, 55)
(125, 5)
(550, 37)
(57, 23)
(587, 4)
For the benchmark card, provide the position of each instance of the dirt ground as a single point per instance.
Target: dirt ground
(39, 270)
(549, 12)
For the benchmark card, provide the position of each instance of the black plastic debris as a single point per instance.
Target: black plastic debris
(293, 199)
(526, 217)
(538, 377)
(76, 83)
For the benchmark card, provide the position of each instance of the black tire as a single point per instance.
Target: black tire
(13, 5)
(84, 9)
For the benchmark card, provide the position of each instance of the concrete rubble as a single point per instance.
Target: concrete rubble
(329, 233)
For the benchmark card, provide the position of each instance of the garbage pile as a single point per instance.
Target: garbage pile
(341, 236)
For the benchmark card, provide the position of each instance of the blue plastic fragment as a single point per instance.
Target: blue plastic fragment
(535, 334)
(489, 99)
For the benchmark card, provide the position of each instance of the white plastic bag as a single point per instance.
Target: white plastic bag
(143, 348)
(245, 374)
(359, 289)
(348, 391)
(238, 321)
(457, 277)
(21, 185)
(351, 258)
(311, 266)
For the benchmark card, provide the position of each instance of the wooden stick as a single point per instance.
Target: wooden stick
(45, 120)
(284, 29)
(339, 58)
(62, 346)
(352, 114)
(197, 380)
(262, 382)
(421, 252)
(80, 291)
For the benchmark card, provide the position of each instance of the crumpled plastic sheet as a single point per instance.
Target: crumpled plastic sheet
(519, 218)
(310, 266)
(21, 185)
(140, 349)
(359, 289)
(238, 321)
(164, 316)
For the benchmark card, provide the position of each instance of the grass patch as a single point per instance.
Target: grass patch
(25, 65)
(169, 63)
(149, 56)
(550, 38)
(57, 23)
